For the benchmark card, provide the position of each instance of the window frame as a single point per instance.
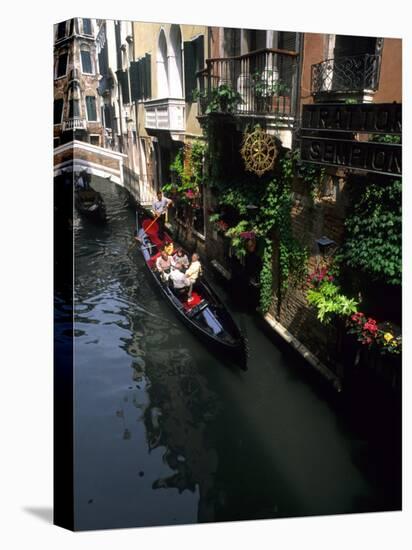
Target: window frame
(91, 27)
(95, 109)
(90, 58)
(66, 55)
(58, 38)
(71, 109)
(62, 111)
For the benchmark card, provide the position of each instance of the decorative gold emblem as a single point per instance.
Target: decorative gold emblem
(259, 151)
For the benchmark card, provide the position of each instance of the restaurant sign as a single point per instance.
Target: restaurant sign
(321, 123)
(373, 118)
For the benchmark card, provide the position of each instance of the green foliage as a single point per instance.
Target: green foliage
(386, 138)
(272, 219)
(186, 176)
(311, 174)
(266, 84)
(237, 242)
(374, 231)
(223, 99)
(266, 277)
(213, 218)
(329, 301)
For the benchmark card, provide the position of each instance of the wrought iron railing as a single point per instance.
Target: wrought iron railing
(346, 74)
(262, 82)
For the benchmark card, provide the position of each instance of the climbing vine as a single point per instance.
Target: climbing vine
(187, 172)
(374, 230)
(271, 220)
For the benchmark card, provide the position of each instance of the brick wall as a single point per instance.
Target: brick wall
(312, 218)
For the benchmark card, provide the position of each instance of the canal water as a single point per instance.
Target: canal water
(166, 433)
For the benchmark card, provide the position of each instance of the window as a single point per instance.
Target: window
(87, 26)
(194, 60)
(61, 30)
(123, 78)
(91, 107)
(74, 108)
(86, 61)
(95, 139)
(58, 111)
(140, 78)
(62, 65)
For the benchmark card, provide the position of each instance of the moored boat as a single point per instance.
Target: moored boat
(90, 203)
(205, 314)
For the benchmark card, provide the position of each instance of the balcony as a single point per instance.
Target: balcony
(257, 84)
(356, 75)
(74, 124)
(165, 114)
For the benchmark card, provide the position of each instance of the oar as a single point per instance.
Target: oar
(151, 223)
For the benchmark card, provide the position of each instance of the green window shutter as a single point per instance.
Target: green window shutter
(134, 80)
(148, 76)
(62, 65)
(74, 108)
(86, 61)
(199, 47)
(108, 116)
(190, 69)
(287, 41)
(58, 111)
(141, 73)
(61, 30)
(91, 108)
(122, 77)
(87, 26)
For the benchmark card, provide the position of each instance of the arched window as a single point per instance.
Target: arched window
(175, 62)
(162, 66)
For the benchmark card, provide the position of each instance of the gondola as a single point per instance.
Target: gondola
(90, 203)
(205, 315)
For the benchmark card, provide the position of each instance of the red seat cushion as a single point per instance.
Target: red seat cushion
(196, 300)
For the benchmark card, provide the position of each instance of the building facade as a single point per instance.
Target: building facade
(76, 76)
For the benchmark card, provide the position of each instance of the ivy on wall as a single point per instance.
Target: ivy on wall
(271, 220)
(374, 230)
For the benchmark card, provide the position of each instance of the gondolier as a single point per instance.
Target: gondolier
(160, 207)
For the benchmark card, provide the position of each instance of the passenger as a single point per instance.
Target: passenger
(180, 257)
(163, 265)
(192, 273)
(180, 282)
(168, 248)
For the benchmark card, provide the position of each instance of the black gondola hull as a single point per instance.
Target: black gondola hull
(234, 352)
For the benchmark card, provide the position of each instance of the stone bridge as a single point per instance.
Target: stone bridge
(113, 166)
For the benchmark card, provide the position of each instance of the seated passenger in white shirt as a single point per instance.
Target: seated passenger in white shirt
(179, 279)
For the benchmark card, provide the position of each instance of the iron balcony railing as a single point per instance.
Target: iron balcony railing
(346, 74)
(262, 82)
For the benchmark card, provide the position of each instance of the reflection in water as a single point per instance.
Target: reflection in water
(165, 434)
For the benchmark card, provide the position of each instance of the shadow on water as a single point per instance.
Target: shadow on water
(166, 434)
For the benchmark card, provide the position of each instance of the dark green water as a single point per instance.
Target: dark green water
(165, 433)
